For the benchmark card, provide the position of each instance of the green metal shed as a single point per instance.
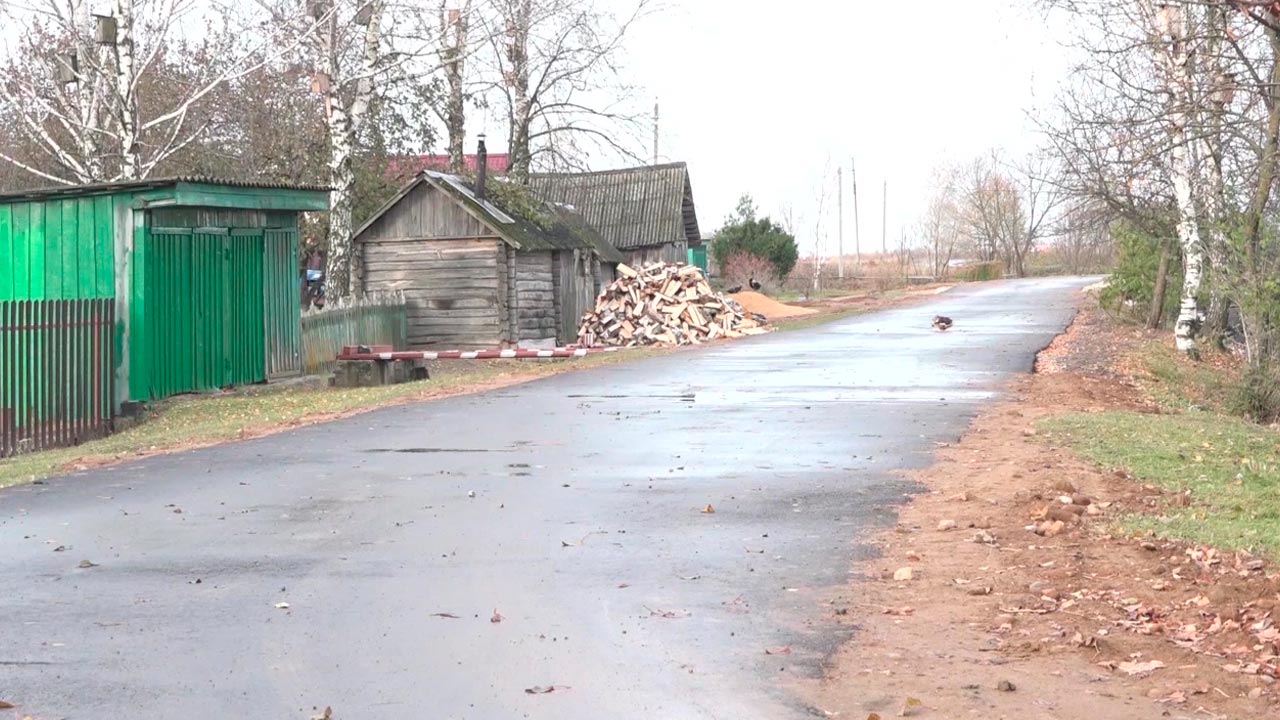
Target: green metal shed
(203, 272)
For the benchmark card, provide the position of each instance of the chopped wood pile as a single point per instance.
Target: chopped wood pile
(663, 303)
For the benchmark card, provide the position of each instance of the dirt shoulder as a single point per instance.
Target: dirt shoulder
(970, 612)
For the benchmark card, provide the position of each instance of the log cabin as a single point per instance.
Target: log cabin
(484, 263)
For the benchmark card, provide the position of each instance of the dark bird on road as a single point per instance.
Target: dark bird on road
(941, 322)
(754, 285)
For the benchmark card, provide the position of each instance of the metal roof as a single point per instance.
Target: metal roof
(148, 184)
(631, 207)
(555, 227)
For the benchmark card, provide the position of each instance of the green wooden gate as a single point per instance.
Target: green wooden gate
(206, 311)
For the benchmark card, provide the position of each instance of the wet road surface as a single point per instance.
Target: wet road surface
(586, 533)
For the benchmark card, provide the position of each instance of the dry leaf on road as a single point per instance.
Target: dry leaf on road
(784, 650)
(1139, 668)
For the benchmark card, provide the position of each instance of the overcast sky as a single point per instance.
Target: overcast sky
(763, 97)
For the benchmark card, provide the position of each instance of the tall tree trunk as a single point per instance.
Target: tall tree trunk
(519, 18)
(454, 27)
(126, 98)
(1182, 171)
(1214, 195)
(1155, 314)
(1257, 318)
(343, 276)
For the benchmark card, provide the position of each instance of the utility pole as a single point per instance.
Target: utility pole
(857, 232)
(655, 132)
(840, 216)
(884, 219)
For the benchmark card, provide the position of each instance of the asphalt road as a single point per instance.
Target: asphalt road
(585, 533)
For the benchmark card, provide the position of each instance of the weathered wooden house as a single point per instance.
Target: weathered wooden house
(496, 268)
(647, 212)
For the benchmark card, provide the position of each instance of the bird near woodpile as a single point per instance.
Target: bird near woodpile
(734, 290)
(754, 285)
(941, 322)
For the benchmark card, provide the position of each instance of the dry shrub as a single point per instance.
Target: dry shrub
(740, 268)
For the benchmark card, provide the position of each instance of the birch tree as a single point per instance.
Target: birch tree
(1171, 26)
(558, 78)
(76, 85)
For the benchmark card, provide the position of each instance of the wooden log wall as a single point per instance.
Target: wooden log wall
(453, 289)
(534, 308)
(675, 252)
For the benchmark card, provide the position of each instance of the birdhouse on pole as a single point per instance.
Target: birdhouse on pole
(105, 30)
(67, 68)
(365, 14)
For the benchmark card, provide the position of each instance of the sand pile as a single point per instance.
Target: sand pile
(755, 302)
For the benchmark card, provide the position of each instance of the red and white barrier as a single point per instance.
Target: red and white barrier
(516, 354)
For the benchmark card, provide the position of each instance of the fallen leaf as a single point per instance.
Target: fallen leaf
(1006, 686)
(544, 689)
(945, 525)
(874, 716)
(1132, 667)
(899, 611)
(497, 617)
(326, 715)
(909, 707)
(4, 705)
(784, 650)
(708, 510)
(451, 616)
(85, 564)
(623, 585)
(1176, 697)
(903, 574)
(62, 548)
(282, 606)
(668, 614)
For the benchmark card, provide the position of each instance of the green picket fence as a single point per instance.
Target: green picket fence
(374, 319)
(57, 367)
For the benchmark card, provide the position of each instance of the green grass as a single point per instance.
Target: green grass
(1231, 467)
(1179, 385)
(201, 420)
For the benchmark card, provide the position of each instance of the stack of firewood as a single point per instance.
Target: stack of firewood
(666, 304)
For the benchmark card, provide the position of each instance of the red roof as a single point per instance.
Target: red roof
(407, 165)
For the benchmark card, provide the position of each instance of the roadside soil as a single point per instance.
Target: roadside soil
(988, 619)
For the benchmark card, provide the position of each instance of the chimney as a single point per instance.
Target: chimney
(482, 168)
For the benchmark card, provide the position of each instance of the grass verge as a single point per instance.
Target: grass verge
(195, 421)
(1229, 466)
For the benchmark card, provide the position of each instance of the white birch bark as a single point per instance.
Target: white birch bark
(1172, 24)
(519, 20)
(126, 97)
(342, 270)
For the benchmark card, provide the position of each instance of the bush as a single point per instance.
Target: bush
(1257, 397)
(1132, 283)
(741, 267)
(981, 272)
(743, 232)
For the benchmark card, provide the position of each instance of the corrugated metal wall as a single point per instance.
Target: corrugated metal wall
(57, 249)
(281, 290)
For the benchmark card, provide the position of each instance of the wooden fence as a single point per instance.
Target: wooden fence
(374, 319)
(57, 366)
